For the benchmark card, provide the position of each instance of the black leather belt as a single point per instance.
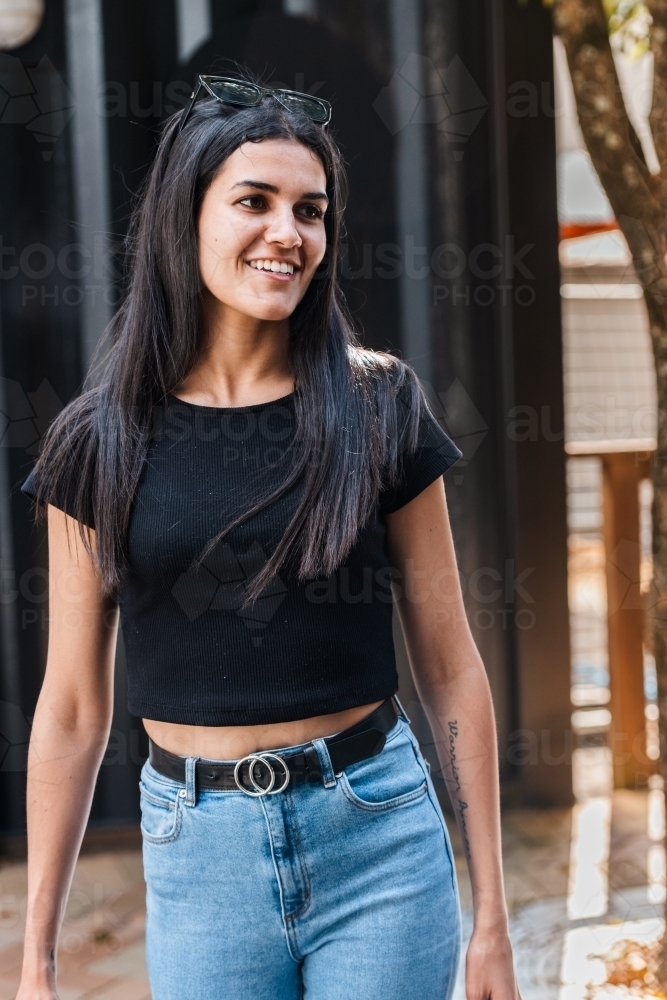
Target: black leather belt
(266, 772)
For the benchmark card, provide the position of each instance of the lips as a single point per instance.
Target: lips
(276, 266)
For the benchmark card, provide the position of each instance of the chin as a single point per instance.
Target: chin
(271, 313)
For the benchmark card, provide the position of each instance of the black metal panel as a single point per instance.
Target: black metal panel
(343, 54)
(144, 83)
(544, 653)
(143, 75)
(40, 356)
(472, 289)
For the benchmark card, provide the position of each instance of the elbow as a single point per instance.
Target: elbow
(73, 717)
(459, 668)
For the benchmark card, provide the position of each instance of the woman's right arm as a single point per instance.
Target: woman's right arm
(68, 740)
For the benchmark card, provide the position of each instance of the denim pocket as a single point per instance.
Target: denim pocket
(391, 779)
(161, 816)
(433, 799)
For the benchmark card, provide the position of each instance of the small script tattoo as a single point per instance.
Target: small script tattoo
(455, 791)
(52, 959)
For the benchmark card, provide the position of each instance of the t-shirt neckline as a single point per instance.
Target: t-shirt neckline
(281, 400)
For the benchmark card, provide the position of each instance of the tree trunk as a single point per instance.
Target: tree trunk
(639, 201)
(659, 609)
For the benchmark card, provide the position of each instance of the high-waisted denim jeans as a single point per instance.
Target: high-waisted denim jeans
(345, 892)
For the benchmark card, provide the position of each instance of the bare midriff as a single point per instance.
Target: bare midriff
(234, 742)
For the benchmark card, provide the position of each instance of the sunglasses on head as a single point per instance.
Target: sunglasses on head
(227, 90)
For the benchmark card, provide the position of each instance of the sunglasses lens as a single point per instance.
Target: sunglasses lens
(234, 93)
(317, 110)
(247, 95)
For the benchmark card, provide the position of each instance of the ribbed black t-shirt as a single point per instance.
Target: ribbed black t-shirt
(194, 655)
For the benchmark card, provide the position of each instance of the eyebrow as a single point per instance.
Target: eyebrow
(272, 189)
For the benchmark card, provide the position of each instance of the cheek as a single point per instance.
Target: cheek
(221, 244)
(315, 244)
(212, 248)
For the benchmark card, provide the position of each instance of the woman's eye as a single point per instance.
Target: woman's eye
(253, 201)
(312, 211)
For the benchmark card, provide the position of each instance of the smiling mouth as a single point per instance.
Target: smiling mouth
(275, 266)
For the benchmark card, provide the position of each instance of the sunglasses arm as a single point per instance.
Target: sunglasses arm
(188, 108)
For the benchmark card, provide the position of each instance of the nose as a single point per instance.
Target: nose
(282, 228)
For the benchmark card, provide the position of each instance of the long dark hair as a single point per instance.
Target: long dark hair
(349, 426)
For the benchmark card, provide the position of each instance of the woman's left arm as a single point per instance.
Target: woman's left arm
(452, 685)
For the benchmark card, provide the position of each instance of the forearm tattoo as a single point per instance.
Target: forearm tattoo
(460, 806)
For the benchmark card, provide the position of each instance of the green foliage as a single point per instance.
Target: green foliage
(630, 22)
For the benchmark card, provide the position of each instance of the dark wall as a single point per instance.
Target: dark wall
(468, 313)
(146, 83)
(491, 182)
(39, 360)
(338, 57)
(544, 651)
(496, 337)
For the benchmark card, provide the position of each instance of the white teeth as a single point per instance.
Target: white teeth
(272, 265)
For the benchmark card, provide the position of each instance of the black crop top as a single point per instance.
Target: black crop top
(194, 656)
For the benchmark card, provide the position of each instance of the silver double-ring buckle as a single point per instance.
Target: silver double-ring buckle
(255, 759)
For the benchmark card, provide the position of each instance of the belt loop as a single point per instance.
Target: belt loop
(401, 709)
(190, 781)
(325, 763)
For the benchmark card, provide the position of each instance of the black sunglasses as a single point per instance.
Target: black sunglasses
(227, 90)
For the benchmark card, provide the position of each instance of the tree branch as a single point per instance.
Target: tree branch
(607, 131)
(658, 11)
(638, 201)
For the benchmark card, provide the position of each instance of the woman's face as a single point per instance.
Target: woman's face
(261, 228)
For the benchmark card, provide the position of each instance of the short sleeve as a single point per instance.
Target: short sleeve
(63, 497)
(435, 453)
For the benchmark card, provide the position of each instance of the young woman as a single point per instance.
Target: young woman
(253, 491)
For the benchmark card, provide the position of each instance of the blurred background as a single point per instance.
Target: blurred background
(482, 246)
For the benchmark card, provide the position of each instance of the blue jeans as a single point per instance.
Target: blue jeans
(345, 892)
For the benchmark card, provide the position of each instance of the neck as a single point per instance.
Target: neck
(243, 361)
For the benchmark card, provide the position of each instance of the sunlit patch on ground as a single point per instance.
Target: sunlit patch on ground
(582, 885)
(607, 962)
